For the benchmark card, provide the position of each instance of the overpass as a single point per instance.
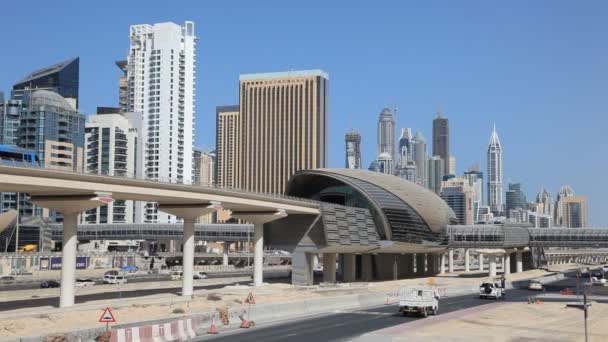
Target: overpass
(72, 193)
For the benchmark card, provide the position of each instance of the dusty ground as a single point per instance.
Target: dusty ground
(42, 321)
(513, 322)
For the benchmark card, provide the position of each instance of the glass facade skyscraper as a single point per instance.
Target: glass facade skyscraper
(61, 78)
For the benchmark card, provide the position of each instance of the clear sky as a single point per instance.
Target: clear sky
(538, 69)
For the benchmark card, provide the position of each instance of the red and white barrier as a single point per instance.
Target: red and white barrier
(181, 330)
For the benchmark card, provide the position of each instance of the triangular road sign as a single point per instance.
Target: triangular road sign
(250, 299)
(107, 316)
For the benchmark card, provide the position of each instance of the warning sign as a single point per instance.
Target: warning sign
(250, 299)
(107, 316)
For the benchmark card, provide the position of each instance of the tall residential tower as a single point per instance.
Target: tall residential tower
(441, 140)
(353, 149)
(161, 85)
(386, 133)
(495, 193)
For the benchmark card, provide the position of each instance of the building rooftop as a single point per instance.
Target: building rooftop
(284, 74)
(47, 71)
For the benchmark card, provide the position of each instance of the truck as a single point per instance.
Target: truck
(491, 290)
(422, 301)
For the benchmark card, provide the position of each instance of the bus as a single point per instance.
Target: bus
(16, 156)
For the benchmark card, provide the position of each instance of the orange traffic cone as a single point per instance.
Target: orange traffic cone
(212, 328)
(244, 323)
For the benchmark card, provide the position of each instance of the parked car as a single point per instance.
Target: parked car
(111, 272)
(200, 275)
(114, 279)
(177, 275)
(535, 285)
(605, 268)
(598, 281)
(7, 280)
(422, 301)
(491, 290)
(47, 284)
(84, 282)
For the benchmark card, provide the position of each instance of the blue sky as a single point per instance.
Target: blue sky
(538, 69)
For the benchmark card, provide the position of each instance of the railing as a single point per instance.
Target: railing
(164, 180)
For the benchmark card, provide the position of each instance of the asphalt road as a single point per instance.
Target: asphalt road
(112, 293)
(347, 325)
(31, 285)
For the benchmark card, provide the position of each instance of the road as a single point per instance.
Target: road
(113, 292)
(35, 284)
(349, 324)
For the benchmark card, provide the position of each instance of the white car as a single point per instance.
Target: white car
(491, 290)
(598, 281)
(605, 268)
(114, 279)
(535, 285)
(84, 282)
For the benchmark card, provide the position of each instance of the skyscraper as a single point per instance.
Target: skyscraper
(574, 209)
(353, 149)
(546, 200)
(475, 179)
(282, 128)
(386, 163)
(111, 149)
(405, 147)
(515, 198)
(123, 87)
(457, 193)
(452, 165)
(386, 133)
(61, 78)
(560, 209)
(161, 75)
(441, 140)
(494, 160)
(435, 172)
(227, 119)
(420, 158)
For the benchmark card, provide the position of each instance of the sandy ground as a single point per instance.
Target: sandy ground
(513, 322)
(51, 320)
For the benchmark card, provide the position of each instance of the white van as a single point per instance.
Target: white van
(114, 279)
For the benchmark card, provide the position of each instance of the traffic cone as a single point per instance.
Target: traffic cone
(212, 328)
(244, 323)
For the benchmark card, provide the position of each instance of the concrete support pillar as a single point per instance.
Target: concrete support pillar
(467, 261)
(366, 267)
(492, 272)
(70, 206)
(350, 267)
(68, 260)
(188, 258)
(519, 259)
(395, 267)
(431, 264)
(442, 264)
(329, 267)
(225, 253)
(259, 219)
(420, 264)
(451, 261)
(302, 265)
(481, 268)
(507, 263)
(258, 255)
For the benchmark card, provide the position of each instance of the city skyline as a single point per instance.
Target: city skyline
(470, 108)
